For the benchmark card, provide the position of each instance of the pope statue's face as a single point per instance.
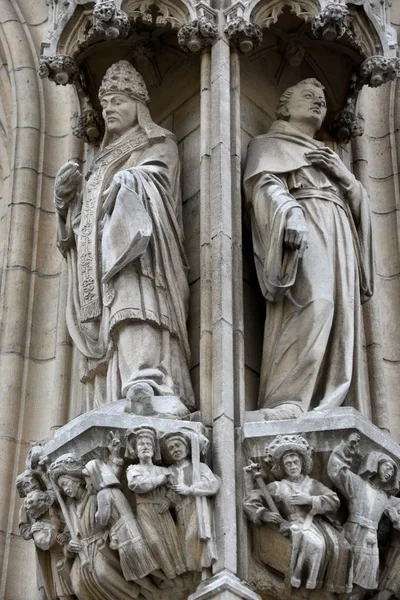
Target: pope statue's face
(307, 105)
(119, 113)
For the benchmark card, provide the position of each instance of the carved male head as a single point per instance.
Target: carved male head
(303, 103)
(292, 465)
(177, 447)
(27, 482)
(37, 503)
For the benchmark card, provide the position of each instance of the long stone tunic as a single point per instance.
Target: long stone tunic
(158, 528)
(320, 555)
(127, 266)
(199, 553)
(313, 332)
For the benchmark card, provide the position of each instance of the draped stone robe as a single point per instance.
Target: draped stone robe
(128, 291)
(313, 329)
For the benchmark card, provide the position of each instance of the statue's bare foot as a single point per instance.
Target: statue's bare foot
(284, 411)
(140, 396)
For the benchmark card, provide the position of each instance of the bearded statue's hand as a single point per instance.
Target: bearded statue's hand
(296, 234)
(67, 182)
(330, 163)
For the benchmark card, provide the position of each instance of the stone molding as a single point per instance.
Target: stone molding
(226, 586)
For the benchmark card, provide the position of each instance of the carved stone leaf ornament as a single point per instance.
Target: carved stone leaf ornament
(377, 70)
(332, 22)
(347, 125)
(61, 69)
(244, 33)
(89, 126)
(109, 21)
(197, 35)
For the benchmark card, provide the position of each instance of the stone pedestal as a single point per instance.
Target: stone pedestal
(224, 586)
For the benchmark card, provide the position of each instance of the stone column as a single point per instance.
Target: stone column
(222, 364)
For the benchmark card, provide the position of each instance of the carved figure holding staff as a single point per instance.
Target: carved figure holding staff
(193, 484)
(100, 520)
(320, 555)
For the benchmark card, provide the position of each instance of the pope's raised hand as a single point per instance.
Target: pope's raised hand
(68, 180)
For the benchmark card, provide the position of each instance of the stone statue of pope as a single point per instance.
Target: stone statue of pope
(123, 241)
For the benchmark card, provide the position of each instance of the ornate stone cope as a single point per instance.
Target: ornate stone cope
(88, 254)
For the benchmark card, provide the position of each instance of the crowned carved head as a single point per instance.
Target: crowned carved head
(124, 98)
(289, 456)
(303, 104)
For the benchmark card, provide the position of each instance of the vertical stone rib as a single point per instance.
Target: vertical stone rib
(17, 284)
(373, 333)
(205, 240)
(222, 307)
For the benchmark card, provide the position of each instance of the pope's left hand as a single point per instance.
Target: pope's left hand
(329, 161)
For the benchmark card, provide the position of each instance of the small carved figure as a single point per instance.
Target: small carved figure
(320, 555)
(100, 520)
(369, 495)
(47, 531)
(123, 241)
(193, 483)
(149, 482)
(312, 242)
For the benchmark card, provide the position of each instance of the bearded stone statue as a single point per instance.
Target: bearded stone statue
(312, 242)
(121, 234)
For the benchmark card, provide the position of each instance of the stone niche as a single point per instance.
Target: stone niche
(299, 42)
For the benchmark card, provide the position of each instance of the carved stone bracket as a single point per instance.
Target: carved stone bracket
(347, 125)
(109, 21)
(243, 33)
(89, 126)
(61, 69)
(332, 22)
(377, 70)
(197, 35)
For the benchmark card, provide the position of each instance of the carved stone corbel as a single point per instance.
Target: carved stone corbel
(347, 124)
(332, 22)
(377, 70)
(245, 34)
(61, 69)
(197, 35)
(109, 21)
(89, 126)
